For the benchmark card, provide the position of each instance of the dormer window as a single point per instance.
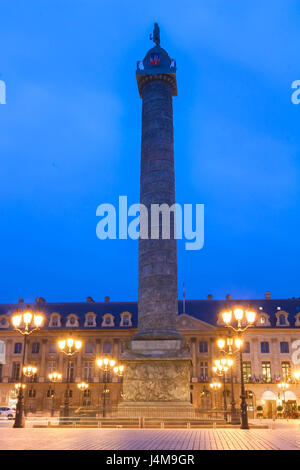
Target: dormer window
(55, 321)
(72, 321)
(108, 320)
(126, 319)
(263, 320)
(282, 320)
(90, 320)
(3, 321)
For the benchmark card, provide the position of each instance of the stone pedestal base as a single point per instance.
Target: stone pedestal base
(156, 379)
(159, 410)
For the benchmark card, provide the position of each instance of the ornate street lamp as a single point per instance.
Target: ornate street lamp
(118, 370)
(29, 371)
(24, 323)
(297, 375)
(283, 387)
(54, 377)
(83, 386)
(69, 348)
(108, 365)
(229, 346)
(239, 321)
(221, 368)
(19, 385)
(215, 386)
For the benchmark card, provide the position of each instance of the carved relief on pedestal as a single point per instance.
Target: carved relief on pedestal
(151, 381)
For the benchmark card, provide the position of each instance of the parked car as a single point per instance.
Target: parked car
(6, 412)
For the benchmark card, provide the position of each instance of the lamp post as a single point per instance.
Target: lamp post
(69, 347)
(83, 386)
(215, 386)
(108, 365)
(239, 321)
(229, 346)
(283, 387)
(54, 377)
(24, 323)
(220, 368)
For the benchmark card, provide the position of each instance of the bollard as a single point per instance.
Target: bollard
(214, 425)
(141, 422)
(188, 425)
(162, 425)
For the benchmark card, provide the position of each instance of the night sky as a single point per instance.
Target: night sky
(70, 140)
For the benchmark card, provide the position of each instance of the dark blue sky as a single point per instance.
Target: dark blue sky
(70, 140)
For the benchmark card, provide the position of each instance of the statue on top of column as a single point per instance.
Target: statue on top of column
(155, 37)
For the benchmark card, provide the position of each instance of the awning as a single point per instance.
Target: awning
(289, 395)
(268, 395)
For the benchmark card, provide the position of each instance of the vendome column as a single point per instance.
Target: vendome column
(157, 362)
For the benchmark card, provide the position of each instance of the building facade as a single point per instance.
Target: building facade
(271, 352)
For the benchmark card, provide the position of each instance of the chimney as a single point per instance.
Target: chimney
(106, 299)
(90, 300)
(21, 300)
(209, 297)
(228, 297)
(267, 295)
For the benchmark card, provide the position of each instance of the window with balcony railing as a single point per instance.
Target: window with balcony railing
(247, 374)
(266, 372)
(285, 370)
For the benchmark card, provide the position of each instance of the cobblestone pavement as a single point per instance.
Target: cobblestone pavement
(285, 437)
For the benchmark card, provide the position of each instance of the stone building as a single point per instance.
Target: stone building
(271, 351)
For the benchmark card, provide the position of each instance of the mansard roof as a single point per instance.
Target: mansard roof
(205, 310)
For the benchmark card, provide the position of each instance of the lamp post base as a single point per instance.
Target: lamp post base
(244, 415)
(20, 419)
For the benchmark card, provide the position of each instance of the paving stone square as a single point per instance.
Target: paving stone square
(285, 436)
